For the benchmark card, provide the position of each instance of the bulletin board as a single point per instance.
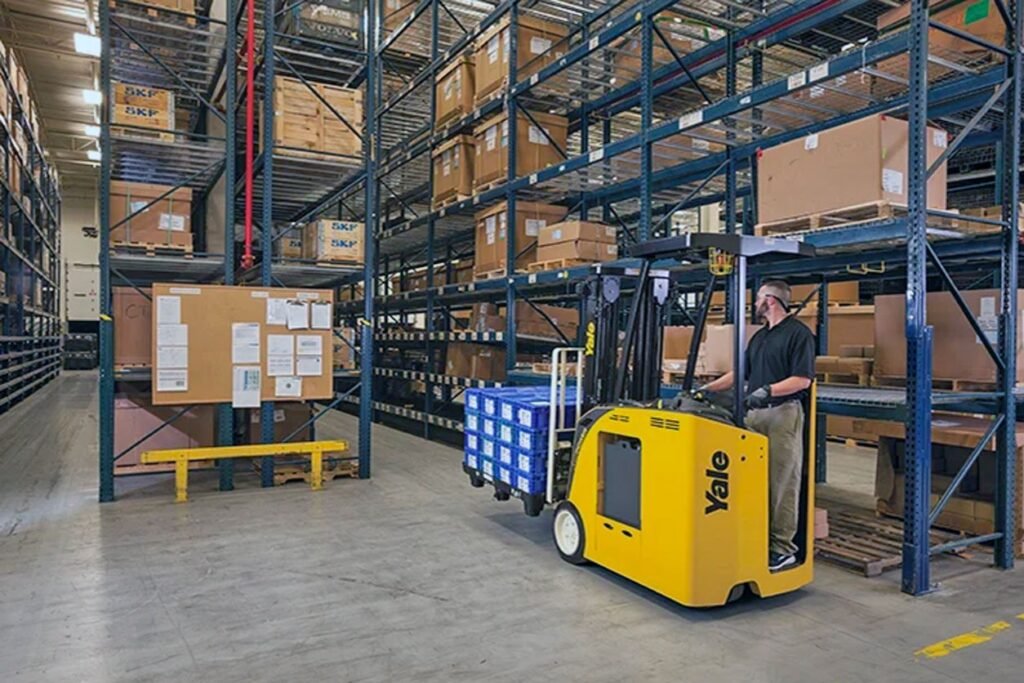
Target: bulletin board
(241, 345)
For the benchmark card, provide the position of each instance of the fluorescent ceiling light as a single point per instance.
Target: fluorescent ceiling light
(92, 96)
(88, 45)
(94, 155)
(92, 131)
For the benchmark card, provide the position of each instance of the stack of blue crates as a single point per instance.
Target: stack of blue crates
(507, 434)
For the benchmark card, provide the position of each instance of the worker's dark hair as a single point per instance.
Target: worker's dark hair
(780, 291)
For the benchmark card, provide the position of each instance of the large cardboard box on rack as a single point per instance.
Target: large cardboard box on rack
(479, 361)
(577, 241)
(335, 21)
(454, 90)
(132, 311)
(538, 320)
(577, 250)
(957, 352)
(142, 214)
(143, 107)
(185, 6)
(675, 341)
(536, 147)
(135, 416)
(289, 245)
(345, 342)
(288, 417)
(453, 169)
(858, 163)
(395, 12)
(838, 293)
(329, 240)
(979, 18)
(492, 233)
(716, 349)
(538, 43)
(310, 126)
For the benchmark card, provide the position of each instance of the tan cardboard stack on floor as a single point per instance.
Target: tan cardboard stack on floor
(492, 234)
(971, 509)
(536, 147)
(957, 353)
(823, 176)
(140, 107)
(329, 240)
(453, 170)
(142, 218)
(538, 43)
(571, 241)
(454, 90)
(306, 126)
(478, 361)
(132, 311)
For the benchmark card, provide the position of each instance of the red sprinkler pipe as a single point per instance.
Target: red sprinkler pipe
(250, 98)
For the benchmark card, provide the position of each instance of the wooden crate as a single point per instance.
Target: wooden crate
(304, 122)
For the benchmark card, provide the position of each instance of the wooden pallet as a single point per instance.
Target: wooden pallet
(480, 188)
(495, 94)
(285, 473)
(852, 443)
(853, 380)
(153, 248)
(494, 274)
(445, 202)
(142, 134)
(861, 541)
(851, 214)
(545, 369)
(938, 384)
(558, 264)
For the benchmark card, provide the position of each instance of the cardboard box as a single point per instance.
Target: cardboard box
(492, 233)
(135, 416)
(479, 361)
(857, 163)
(488, 317)
(571, 231)
(675, 342)
(838, 293)
(344, 352)
(454, 90)
(453, 169)
(136, 214)
(143, 107)
(327, 240)
(288, 417)
(534, 148)
(538, 44)
(580, 250)
(289, 245)
(957, 353)
(395, 12)
(185, 6)
(626, 59)
(132, 311)
(336, 21)
(847, 325)
(980, 18)
(304, 124)
(716, 349)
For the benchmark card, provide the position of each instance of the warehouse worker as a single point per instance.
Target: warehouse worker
(779, 369)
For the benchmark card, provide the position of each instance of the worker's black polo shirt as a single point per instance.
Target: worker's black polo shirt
(775, 353)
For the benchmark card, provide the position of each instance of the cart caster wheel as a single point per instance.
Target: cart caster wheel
(532, 506)
(476, 482)
(501, 495)
(567, 530)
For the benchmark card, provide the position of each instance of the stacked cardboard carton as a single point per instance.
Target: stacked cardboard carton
(143, 214)
(289, 245)
(479, 361)
(139, 107)
(453, 170)
(132, 312)
(537, 320)
(306, 126)
(538, 43)
(335, 21)
(492, 234)
(395, 12)
(577, 241)
(539, 137)
(454, 90)
(329, 240)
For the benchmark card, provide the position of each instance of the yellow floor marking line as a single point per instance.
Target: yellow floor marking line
(964, 640)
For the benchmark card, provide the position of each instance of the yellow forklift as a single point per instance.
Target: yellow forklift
(672, 494)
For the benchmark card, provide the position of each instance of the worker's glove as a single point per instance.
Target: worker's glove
(759, 397)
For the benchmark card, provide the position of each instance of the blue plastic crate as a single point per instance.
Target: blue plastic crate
(534, 413)
(510, 397)
(531, 464)
(488, 448)
(472, 461)
(530, 440)
(489, 427)
(505, 473)
(529, 484)
(490, 404)
(472, 443)
(506, 455)
(472, 422)
(487, 467)
(507, 433)
(472, 399)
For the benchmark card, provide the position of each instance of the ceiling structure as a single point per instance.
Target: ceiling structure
(42, 34)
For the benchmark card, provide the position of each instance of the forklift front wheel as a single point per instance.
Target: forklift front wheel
(567, 529)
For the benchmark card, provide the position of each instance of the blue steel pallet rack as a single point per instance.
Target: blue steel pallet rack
(30, 334)
(197, 58)
(764, 57)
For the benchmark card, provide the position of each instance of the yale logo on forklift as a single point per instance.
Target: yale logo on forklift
(718, 483)
(591, 339)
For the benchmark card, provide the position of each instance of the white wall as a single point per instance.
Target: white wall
(80, 255)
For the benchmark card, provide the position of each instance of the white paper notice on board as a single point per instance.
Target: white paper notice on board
(310, 344)
(245, 386)
(290, 387)
(168, 310)
(310, 366)
(172, 335)
(279, 366)
(321, 316)
(171, 357)
(298, 315)
(171, 380)
(245, 343)
(277, 311)
(280, 345)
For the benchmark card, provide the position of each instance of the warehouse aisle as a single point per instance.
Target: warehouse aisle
(412, 575)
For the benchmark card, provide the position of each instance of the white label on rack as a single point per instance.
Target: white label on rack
(939, 139)
(691, 119)
(536, 136)
(811, 142)
(534, 78)
(745, 100)
(539, 45)
(816, 91)
(594, 42)
(533, 226)
(531, 278)
(892, 181)
(596, 155)
(796, 80)
(818, 72)
(533, 179)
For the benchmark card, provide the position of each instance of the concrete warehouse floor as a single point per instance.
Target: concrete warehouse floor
(412, 575)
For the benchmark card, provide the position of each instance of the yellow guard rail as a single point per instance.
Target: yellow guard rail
(182, 456)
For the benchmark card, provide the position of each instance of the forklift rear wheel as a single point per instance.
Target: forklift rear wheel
(567, 529)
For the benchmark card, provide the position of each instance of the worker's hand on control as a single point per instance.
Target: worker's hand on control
(758, 398)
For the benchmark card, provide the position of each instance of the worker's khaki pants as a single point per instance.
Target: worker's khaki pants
(784, 427)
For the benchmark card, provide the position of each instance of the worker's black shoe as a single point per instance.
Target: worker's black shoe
(777, 561)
